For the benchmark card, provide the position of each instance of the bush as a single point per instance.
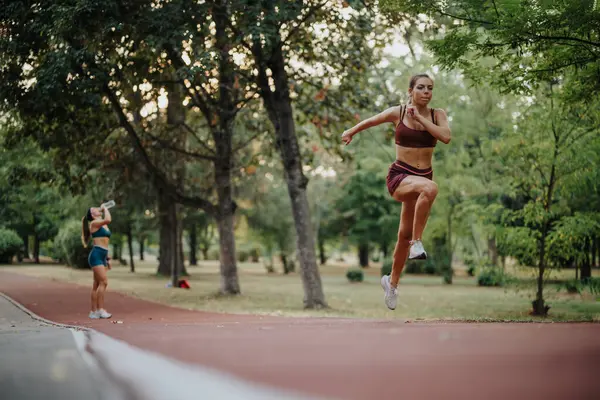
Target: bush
(429, 267)
(491, 276)
(254, 254)
(414, 267)
(355, 275)
(10, 245)
(579, 286)
(573, 286)
(386, 267)
(214, 254)
(471, 264)
(242, 256)
(68, 247)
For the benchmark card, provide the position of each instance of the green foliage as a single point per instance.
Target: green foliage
(491, 276)
(10, 245)
(522, 43)
(386, 266)
(577, 286)
(364, 207)
(69, 247)
(471, 264)
(414, 267)
(355, 275)
(519, 242)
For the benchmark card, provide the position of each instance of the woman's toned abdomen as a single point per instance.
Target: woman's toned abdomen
(417, 157)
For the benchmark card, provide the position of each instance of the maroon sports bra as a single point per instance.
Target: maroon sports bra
(408, 137)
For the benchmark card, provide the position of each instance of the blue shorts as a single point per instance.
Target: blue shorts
(98, 256)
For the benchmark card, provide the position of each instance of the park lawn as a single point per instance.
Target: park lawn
(421, 297)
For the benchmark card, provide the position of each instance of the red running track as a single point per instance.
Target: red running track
(344, 358)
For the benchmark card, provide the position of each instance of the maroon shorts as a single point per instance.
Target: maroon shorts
(400, 170)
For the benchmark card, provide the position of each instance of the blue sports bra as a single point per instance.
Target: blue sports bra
(102, 232)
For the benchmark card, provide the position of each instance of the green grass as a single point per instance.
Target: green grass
(421, 297)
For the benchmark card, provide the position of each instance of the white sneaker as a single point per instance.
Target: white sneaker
(417, 252)
(391, 293)
(103, 314)
(94, 315)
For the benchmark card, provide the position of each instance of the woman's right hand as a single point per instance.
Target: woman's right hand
(347, 137)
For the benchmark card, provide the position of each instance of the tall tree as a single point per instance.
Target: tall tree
(548, 148)
(280, 37)
(109, 64)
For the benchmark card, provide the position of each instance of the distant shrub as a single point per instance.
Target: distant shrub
(10, 245)
(491, 276)
(579, 286)
(68, 246)
(414, 267)
(573, 286)
(471, 264)
(254, 254)
(213, 254)
(386, 267)
(242, 255)
(355, 275)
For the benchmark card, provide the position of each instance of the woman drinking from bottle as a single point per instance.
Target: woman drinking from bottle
(95, 225)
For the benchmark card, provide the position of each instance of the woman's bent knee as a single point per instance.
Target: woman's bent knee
(430, 190)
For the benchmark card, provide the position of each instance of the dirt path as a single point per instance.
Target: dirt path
(344, 358)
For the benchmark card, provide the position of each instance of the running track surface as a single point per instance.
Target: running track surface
(344, 358)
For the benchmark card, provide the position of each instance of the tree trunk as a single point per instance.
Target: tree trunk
(180, 256)
(384, 250)
(222, 133)
(363, 255)
(193, 241)
(492, 250)
(169, 232)
(539, 307)
(204, 251)
(228, 264)
(141, 241)
(284, 262)
(171, 259)
(25, 246)
(176, 261)
(117, 252)
(229, 277)
(448, 272)
(594, 250)
(586, 267)
(130, 245)
(36, 248)
(279, 109)
(322, 255)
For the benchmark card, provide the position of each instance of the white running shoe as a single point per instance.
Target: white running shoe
(417, 251)
(103, 314)
(94, 315)
(391, 293)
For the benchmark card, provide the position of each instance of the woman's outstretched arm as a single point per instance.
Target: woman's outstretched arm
(392, 114)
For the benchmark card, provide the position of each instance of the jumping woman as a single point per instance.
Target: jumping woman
(94, 225)
(409, 181)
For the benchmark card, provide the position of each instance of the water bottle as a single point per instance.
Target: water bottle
(108, 204)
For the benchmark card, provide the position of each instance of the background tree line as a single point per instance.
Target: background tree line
(201, 119)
